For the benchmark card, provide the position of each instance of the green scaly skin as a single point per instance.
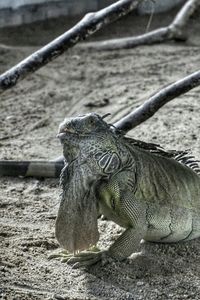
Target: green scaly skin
(154, 197)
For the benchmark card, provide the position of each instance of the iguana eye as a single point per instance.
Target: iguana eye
(91, 121)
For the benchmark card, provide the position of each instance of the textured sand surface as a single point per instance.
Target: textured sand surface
(79, 82)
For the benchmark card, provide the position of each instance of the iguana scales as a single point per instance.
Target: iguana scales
(152, 193)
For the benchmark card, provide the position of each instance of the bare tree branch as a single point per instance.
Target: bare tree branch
(172, 32)
(91, 23)
(184, 14)
(155, 102)
(141, 114)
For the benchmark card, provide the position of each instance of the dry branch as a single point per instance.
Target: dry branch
(155, 102)
(86, 27)
(141, 114)
(175, 31)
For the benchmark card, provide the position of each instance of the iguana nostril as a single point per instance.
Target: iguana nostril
(61, 135)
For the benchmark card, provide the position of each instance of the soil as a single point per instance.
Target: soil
(82, 81)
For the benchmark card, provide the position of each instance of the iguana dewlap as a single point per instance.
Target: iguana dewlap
(154, 195)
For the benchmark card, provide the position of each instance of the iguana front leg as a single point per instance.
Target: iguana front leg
(132, 213)
(126, 244)
(118, 203)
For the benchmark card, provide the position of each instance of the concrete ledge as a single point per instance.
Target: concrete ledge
(28, 11)
(17, 12)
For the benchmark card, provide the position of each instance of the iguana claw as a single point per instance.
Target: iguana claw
(81, 259)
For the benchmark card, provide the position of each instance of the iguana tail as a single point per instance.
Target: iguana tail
(31, 168)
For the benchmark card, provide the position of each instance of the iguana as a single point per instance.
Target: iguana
(152, 193)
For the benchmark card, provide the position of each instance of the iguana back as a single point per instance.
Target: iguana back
(171, 191)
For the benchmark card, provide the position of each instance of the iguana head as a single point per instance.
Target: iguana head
(82, 126)
(75, 132)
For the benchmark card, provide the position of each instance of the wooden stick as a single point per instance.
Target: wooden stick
(91, 23)
(155, 102)
(172, 32)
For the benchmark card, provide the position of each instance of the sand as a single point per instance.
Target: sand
(78, 82)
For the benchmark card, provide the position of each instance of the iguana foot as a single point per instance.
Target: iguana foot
(81, 259)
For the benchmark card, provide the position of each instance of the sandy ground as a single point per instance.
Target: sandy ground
(79, 82)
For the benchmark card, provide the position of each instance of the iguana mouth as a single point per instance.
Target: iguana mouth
(61, 136)
(63, 132)
(66, 130)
